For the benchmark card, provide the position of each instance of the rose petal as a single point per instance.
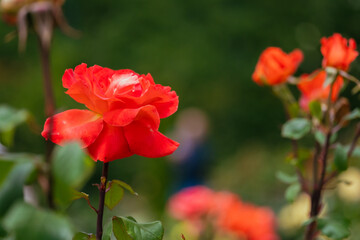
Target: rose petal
(123, 117)
(73, 124)
(148, 142)
(110, 145)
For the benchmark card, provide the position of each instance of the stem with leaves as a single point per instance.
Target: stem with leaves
(100, 211)
(318, 184)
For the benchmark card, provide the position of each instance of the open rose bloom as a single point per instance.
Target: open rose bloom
(123, 117)
(337, 52)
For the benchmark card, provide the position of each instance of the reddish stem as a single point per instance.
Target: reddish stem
(100, 211)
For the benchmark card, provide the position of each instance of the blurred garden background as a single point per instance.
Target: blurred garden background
(206, 51)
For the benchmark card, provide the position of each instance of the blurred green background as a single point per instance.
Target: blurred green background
(206, 51)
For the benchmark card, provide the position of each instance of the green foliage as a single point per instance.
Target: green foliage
(113, 195)
(315, 109)
(320, 137)
(296, 128)
(115, 192)
(71, 168)
(292, 192)
(5, 169)
(84, 236)
(340, 158)
(12, 188)
(27, 222)
(126, 228)
(336, 230)
(9, 119)
(286, 178)
(353, 114)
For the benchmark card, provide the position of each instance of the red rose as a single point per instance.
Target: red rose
(191, 203)
(124, 117)
(313, 88)
(337, 53)
(275, 66)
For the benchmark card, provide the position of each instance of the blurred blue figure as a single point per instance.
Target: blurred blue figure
(191, 159)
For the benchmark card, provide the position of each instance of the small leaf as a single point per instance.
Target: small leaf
(78, 195)
(296, 128)
(353, 115)
(126, 186)
(292, 192)
(138, 231)
(336, 230)
(340, 158)
(84, 236)
(315, 109)
(286, 178)
(114, 195)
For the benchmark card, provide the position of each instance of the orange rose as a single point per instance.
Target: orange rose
(245, 220)
(337, 53)
(313, 88)
(275, 66)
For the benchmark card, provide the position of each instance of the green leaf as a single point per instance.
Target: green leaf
(119, 229)
(12, 188)
(336, 230)
(71, 169)
(353, 115)
(340, 158)
(296, 128)
(5, 169)
(28, 222)
(320, 137)
(126, 186)
(292, 192)
(84, 236)
(315, 109)
(137, 231)
(7, 137)
(9, 119)
(286, 178)
(113, 195)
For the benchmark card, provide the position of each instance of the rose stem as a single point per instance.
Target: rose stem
(311, 230)
(44, 45)
(100, 211)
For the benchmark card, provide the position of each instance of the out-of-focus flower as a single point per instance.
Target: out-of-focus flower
(349, 187)
(292, 216)
(337, 52)
(312, 88)
(191, 203)
(225, 212)
(124, 117)
(275, 66)
(245, 220)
